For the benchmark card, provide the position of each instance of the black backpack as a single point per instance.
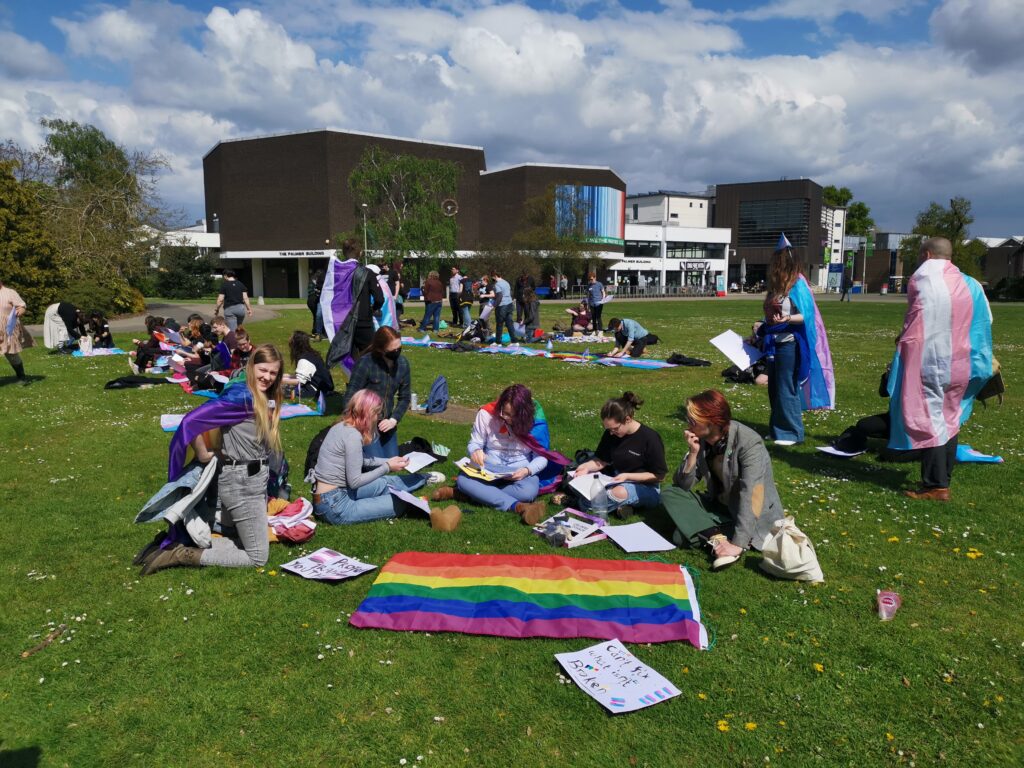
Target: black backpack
(313, 452)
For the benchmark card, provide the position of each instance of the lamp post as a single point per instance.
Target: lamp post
(365, 206)
(869, 245)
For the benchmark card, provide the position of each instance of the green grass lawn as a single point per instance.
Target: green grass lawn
(222, 667)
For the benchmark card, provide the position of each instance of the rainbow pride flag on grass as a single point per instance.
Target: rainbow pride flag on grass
(534, 596)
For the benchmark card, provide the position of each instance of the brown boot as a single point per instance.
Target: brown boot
(444, 493)
(150, 549)
(531, 512)
(928, 494)
(177, 556)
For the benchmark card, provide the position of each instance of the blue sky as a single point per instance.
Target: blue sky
(904, 101)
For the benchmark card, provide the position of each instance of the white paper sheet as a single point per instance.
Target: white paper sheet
(637, 537)
(327, 565)
(415, 501)
(584, 483)
(616, 678)
(418, 460)
(833, 451)
(732, 345)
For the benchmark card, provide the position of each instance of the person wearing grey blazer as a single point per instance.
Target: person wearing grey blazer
(741, 502)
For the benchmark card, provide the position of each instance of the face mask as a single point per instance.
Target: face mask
(393, 354)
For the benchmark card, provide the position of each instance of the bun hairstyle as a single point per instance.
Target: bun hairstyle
(619, 409)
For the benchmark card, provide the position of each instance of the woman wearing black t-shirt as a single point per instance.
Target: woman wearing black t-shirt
(632, 453)
(233, 299)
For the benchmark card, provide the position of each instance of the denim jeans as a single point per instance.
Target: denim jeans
(787, 420)
(243, 516)
(466, 319)
(500, 494)
(318, 321)
(504, 315)
(431, 315)
(382, 446)
(637, 495)
(373, 501)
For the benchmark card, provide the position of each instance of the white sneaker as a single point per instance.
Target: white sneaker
(785, 442)
(433, 478)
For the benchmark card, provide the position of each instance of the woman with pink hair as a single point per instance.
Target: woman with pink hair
(350, 487)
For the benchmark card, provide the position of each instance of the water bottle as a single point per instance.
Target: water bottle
(549, 346)
(414, 402)
(599, 504)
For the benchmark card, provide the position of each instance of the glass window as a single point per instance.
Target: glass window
(761, 222)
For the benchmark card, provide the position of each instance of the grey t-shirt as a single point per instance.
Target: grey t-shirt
(241, 441)
(786, 336)
(341, 460)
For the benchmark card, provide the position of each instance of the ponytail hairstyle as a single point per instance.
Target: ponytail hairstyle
(619, 409)
(363, 412)
(267, 419)
(709, 407)
(520, 402)
(783, 271)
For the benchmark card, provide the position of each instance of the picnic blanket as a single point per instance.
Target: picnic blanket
(98, 352)
(566, 357)
(534, 596)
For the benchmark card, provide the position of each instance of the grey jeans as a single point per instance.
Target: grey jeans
(243, 501)
(234, 315)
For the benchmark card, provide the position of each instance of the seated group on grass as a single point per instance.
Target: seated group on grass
(512, 463)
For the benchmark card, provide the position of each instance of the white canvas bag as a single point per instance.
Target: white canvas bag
(789, 553)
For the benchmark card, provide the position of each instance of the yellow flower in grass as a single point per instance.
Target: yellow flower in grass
(723, 726)
(893, 539)
(889, 737)
(750, 726)
(818, 667)
(974, 554)
(702, 696)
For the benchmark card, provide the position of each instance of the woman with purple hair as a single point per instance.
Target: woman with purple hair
(501, 444)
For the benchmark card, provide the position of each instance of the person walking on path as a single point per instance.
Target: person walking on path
(233, 298)
(943, 359)
(596, 296)
(12, 307)
(845, 290)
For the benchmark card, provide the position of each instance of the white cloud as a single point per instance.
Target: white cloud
(20, 57)
(824, 11)
(986, 32)
(659, 97)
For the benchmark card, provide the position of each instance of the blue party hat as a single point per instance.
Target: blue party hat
(783, 243)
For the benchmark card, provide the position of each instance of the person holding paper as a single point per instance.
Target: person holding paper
(632, 453)
(741, 502)
(385, 370)
(800, 375)
(12, 307)
(349, 486)
(502, 444)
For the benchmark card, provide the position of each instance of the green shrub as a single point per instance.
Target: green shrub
(184, 273)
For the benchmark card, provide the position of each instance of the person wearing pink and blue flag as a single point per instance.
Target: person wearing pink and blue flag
(800, 373)
(943, 359)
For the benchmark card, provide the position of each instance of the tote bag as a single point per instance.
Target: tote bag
(789, 553)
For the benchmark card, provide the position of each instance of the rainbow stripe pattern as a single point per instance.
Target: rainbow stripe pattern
(534, 596)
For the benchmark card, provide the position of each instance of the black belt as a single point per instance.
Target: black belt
(252, 465)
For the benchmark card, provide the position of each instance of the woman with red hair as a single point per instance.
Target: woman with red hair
(350, 487)
(741, 502)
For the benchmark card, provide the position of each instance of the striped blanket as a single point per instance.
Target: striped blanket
(534, 596)
(943, 359)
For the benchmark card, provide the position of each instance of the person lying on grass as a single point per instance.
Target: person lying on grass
(350, 487)
(632, 453)
(501, 444)
(741, 502)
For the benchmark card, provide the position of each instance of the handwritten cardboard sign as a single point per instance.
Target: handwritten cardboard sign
(327, 565)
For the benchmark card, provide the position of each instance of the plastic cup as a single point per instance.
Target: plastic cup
(888, 604)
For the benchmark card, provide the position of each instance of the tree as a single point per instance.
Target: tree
(952, 223)
(858, 215)
(405, 198)
(26, 248)
(185, 273)
(555, 230)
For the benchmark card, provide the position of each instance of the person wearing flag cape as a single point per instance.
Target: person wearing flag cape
(800, 374)
(943, 359)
